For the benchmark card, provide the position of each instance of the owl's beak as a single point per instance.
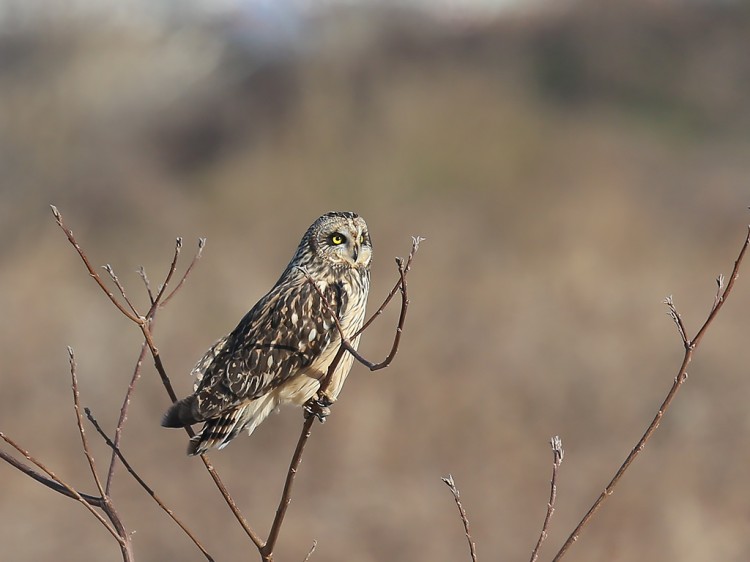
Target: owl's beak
(355, 252)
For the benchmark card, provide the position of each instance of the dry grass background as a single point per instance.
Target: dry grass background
(569, 170)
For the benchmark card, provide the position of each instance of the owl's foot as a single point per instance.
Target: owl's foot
(318, 407)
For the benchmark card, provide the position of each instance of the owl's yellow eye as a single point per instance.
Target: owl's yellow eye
(337, 239)
(361, 238)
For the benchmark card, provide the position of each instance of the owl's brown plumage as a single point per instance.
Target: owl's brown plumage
(282, 348)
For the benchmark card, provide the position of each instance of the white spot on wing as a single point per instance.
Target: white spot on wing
(295, 318)
(270, 361)
(312, 335)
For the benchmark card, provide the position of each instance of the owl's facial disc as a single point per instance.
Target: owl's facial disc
(350, 245)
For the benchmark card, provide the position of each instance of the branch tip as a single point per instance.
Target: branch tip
(462, 512)
(557, 448)
(312, 549)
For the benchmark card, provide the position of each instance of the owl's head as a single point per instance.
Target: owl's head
(339, 239)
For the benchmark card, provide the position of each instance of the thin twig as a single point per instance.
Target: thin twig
(96, 501)
(89, 267)
(457, 498)
(310, 552)
(155, 305)
(690, 347)
(79, 421)
(146, 282)
(677, 319)
(181, 282)
(116, 280)
(124, 414)
(557, 458)
(415, 242)
(719, 287)
(72, 492)
(143, 484)
(170, 273)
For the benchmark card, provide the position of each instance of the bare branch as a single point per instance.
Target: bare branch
(155, 305)
(228, 499)
(677, 319)
(89, 267)
(196, 257)
(146, 282)
(286, 496)
(110, 270)
(170, 273)
(719, 287)
(124, 414)
(72, 492)
(79, 421)
(727, 290)
(310, 552)
(457, 498)
(679, 379)
(145, 486)
(415, 242)
(51, 484)
(557, 458)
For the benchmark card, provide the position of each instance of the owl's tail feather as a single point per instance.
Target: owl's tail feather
(182, 413)
(217, 432)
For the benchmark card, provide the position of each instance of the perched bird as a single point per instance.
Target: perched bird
(282, 348)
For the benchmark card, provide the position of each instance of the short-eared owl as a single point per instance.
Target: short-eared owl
(281, 349)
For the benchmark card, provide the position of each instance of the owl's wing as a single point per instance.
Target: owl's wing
(207, 360)
(282, 334)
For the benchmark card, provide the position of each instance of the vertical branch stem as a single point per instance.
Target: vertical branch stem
(557, 458)
(124, 415)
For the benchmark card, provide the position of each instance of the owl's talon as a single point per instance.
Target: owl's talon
(318, 407)
(324, 400)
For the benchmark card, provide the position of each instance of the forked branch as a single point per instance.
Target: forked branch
(145, 323)
(145, 486)
(103, 502)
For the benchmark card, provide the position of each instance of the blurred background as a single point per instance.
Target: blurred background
(571, 164)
